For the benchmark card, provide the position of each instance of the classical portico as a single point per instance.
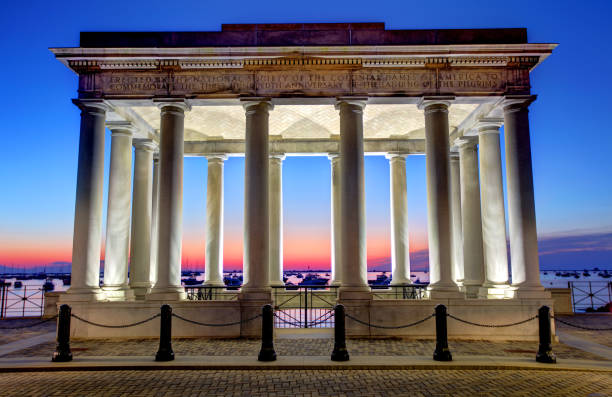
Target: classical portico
(343, 91)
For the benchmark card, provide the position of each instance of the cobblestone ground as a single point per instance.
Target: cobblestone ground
(589, 321)
(308, 383)
(302, 347)
(12, 335)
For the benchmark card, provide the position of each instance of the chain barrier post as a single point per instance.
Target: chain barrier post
(340, 353)
(165, 352)
(62, 352)
(545, 354)
(267, 352)
(441, 353)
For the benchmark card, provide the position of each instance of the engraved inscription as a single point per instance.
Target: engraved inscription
(303, 81)
(210, 82)
(389, 81)
(470, 80)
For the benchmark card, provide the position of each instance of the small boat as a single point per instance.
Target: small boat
(381, 280)
(232, 283)
(67, 279)
(191, 281)
(17, 284)
(314, 280)
(558, 274)
(545, 273)
(48, 286)
(300, 275)
(586, 273)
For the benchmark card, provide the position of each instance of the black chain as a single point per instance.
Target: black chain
(288, 322)
(215, 325)
(580, 326)
(387, 326)
(320, 320)
(31, 325)
(492, 325)
(115, 326)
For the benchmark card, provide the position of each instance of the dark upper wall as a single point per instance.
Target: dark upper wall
(307, 34)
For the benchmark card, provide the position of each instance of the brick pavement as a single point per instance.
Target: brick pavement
(302, 347)
(470, 383)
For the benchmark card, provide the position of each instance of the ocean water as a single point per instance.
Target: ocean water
(15, 305)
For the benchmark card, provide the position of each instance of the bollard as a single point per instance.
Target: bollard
(340, 353)
(165, 352)
(545, 353)
(62, 351)
(267, 352)
(441, 353)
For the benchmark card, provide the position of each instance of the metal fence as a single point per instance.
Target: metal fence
(304, 306)
(588, 296)
(27, 301)
(411, 291)
(208, 293)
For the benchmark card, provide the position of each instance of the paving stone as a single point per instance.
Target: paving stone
(309, 383)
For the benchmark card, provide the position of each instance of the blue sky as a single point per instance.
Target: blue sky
(571, 139)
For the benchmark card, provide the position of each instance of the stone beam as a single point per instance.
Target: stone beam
(306, 147)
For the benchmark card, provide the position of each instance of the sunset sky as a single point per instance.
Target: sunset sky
(570, 125)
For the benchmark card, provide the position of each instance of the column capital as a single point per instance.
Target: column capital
(145, 144)
(250, 103)
(333, 156)
(466, 143)
(435, 103)
(216, 157)
(166, 104)
(92, 105)
(118, 128)
(278, 156)
(396, 155)
(489, 125)
(512, 103)
(359, 102)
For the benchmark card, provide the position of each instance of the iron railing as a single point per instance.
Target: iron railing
(27, 301)
(408, 291)
(590, 295)
(304, 306)
(210, 293)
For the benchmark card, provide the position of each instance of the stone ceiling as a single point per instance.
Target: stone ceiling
(404, 121)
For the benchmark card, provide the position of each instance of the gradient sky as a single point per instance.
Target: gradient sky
(571, 133)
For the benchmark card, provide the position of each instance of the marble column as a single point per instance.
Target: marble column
(256, 195)
(471, 220)
(352, 197)
(456, 224)
(140, 248)
(214, 221)
(170, 212)
(521, 201)
(88, 208)
(336, 220)
(400, 251)
(118, 214)
(438, 197)
(276, 219)
(154, 219)
(493, 213)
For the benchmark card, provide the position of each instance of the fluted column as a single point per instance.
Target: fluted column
(88, 208)
(336, 220)
(471, 220)
(457, 235)
(154, 219)
(521, 201)
(214, 220)
(118, 214)
(400, 251)
(168, 284)
(256, 195)
(438, 197)
(140, 248)
(353, 230)
(493, 213)
(276, 219)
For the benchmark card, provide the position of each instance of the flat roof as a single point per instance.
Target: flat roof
(303, 34)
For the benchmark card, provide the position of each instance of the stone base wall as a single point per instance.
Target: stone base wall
(390, 312)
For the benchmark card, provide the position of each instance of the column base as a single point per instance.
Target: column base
(499, 291)
(471, 290)
(534, 291)
(93, 294)
(166, 294)
(444, 291)
(140, 290)
(401, 282)
(277, 283)
(118, 292)
(335, 283)
(354, 293)
(252, 301)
